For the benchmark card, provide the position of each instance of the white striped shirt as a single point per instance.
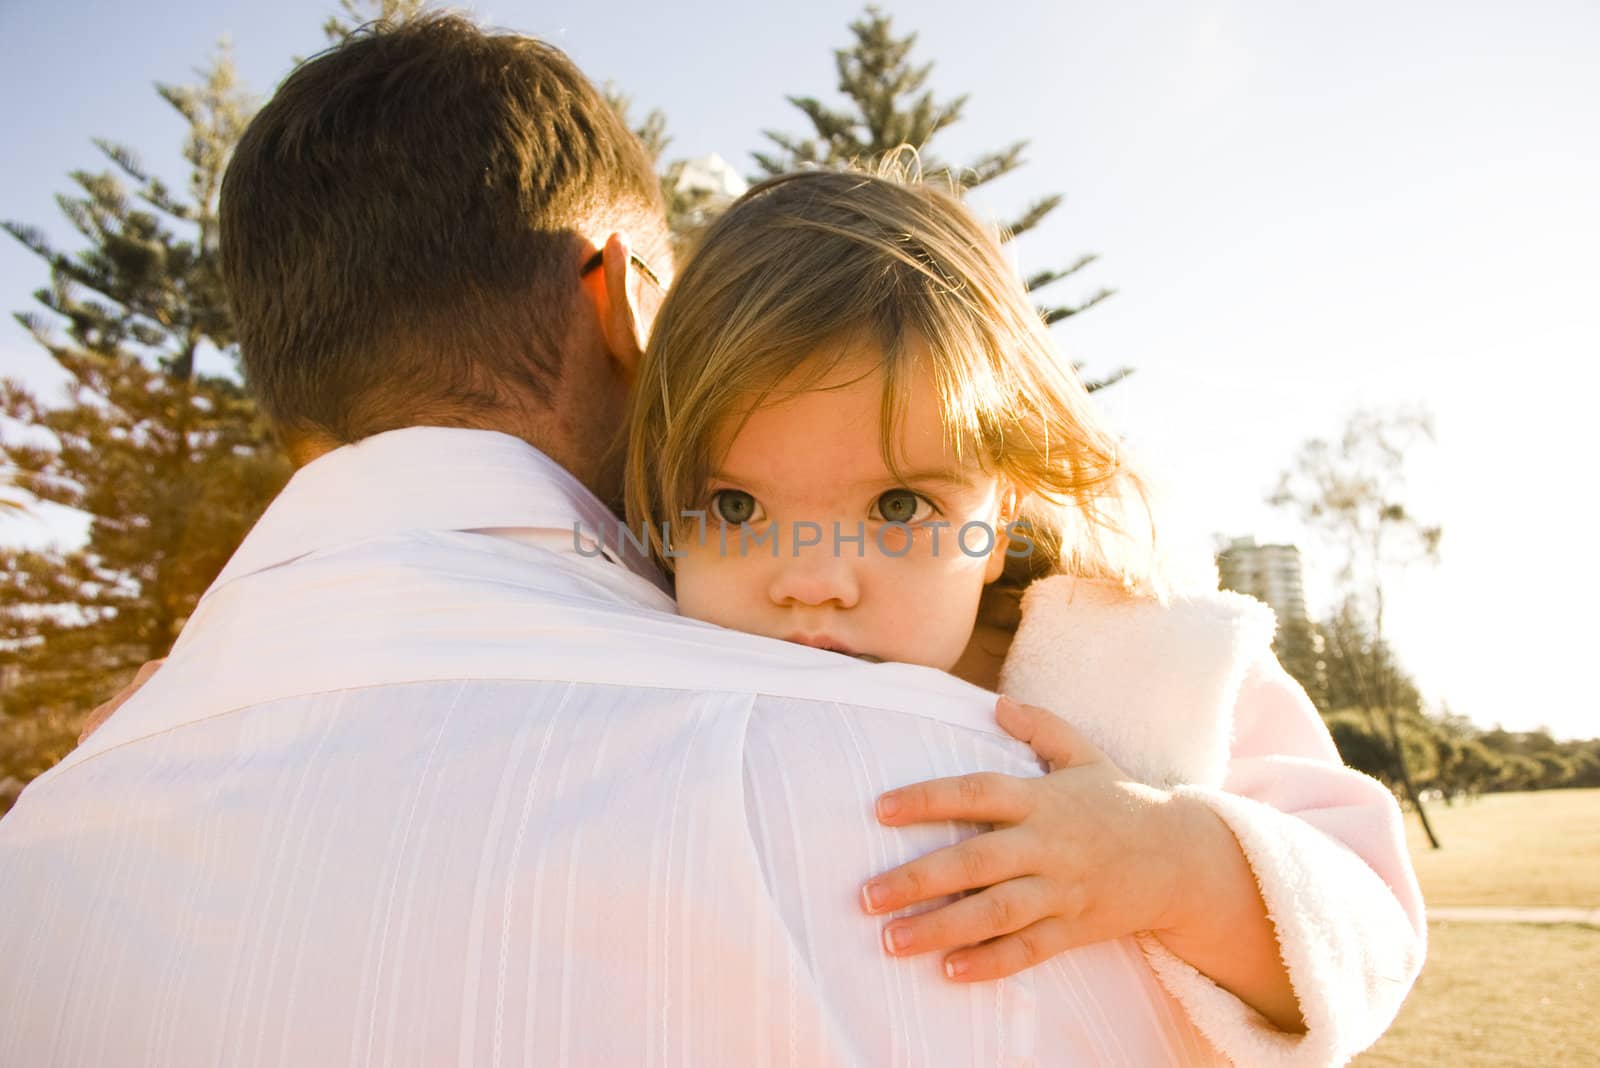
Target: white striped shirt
(410, 793)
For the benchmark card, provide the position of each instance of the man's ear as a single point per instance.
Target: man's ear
(616, 305)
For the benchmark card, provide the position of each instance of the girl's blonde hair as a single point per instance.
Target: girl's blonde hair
(822, 257)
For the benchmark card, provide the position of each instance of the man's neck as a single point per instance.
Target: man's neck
(305, 446)
(601, 474)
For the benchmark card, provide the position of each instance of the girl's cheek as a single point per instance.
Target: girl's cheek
(922, 613)
(707, 585)
(930, 541)
(893, 542)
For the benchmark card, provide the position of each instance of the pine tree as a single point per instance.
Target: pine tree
(9, 503)
(888, 105)
(170, 463)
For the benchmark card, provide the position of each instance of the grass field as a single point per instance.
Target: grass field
(1505, 995)
(1537, 848)
(1499, 996)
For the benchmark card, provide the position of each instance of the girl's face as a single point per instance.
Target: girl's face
(809, 537)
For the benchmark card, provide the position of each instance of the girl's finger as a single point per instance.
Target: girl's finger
(1011, 953)
(1052, 737)
(999, 910)
(977, 862)
(982, 797)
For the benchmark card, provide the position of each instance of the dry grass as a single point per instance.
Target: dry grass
(1505, 995)
(1499, 996)
(1536, 848)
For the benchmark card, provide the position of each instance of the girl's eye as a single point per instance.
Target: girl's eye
(733, 506)
(902, 506)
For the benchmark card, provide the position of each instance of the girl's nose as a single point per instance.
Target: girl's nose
(817, 576)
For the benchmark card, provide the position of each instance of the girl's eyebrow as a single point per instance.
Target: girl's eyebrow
(719, 475)
(944, 475)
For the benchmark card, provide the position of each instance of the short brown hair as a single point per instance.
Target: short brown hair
(399, 225)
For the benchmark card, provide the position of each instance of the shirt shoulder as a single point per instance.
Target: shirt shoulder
(435, 606)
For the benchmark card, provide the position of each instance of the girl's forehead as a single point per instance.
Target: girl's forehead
(828, 429)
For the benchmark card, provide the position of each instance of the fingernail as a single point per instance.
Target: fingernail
(955, 968)
(1006, 704)
(896, 938)
(874, 895)
(887, 806)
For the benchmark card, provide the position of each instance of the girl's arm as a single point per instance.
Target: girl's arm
(1224, 930)
(1290, 884)
(1325, 845)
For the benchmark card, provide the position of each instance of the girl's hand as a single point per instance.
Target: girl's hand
(1078, 856)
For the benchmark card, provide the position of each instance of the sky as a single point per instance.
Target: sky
(1304, 210)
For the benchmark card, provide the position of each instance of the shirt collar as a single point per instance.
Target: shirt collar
(428, 478)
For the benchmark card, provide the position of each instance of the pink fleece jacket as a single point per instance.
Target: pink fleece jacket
(1188, 696)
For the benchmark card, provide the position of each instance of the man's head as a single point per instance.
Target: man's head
(404, 230)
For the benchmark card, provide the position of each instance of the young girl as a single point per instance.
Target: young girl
(853, 431)
(865, 440)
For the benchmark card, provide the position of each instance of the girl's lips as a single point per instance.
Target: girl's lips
(818, 641)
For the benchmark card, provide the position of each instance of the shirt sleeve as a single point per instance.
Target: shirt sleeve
(1327, 845)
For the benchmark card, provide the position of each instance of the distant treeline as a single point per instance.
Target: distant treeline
(1355, 680)
(1451, 755)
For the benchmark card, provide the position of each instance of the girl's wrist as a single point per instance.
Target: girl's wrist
(1191, 831)
(1218, 921)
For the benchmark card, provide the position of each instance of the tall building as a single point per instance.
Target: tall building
(1269, 573)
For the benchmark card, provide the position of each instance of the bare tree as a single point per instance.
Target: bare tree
(1352, 492)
